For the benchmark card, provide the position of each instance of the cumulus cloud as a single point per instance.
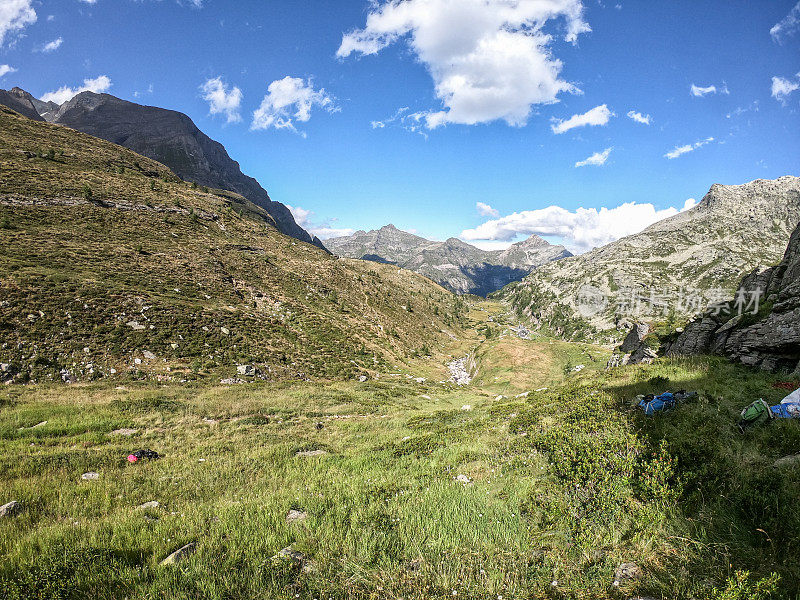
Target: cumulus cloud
(782, 88)
(323, 230)
(290, 100)
(222, 100)
(599, 115)
(639, 117)
(6, 69)
(680, 150)
(52, 46)
(787, 26)
(485, 210)
(15, 15)
(580, 230)
(64, 94)
(489, 59)
(597, 159)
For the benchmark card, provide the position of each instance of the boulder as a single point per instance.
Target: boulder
(295, 516)
(635, 337)
(151, 504)
(90, 476)
(308, 453)
(246, 370)
(10, 509)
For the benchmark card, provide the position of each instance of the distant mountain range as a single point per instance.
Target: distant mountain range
(167, 136)
(454, 264)
(673, 269)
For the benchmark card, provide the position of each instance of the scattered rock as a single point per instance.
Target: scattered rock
(210, 421)
(463, 479)
(148, 355)
(578, 368)
(124, 431)
(135, 325)
(179, 554)
(246, 370)
(627, 572)
(151, 504)
(306, 453)
(466, 407)
(10, 509)
(231, 381)
(318, 426)
(90, 476)
(295, 516)
(225, 331)
(788, 461)
(362, 378)
(137, 361)
(298, 558)
(42, 424)
(460, 370)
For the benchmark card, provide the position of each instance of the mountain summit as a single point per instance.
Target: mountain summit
(676, 267)
(454, 264)
(167, 136)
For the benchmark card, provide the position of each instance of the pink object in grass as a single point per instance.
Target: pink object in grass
(132, 458)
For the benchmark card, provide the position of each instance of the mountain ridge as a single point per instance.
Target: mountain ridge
(167, 136)
(453, 263)
(672, 269)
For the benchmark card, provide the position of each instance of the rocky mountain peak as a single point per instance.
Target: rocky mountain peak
(167, 136)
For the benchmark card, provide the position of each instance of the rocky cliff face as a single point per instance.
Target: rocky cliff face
(760, 326)
(674, 268)
(167, 136)
(453, 264)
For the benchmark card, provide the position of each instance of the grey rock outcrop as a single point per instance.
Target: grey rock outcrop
(167, 136)
(763, 333)
(453, 264)
(677, 266)
(634, 349)
(10, 509)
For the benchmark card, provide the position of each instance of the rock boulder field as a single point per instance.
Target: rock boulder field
(767, 332)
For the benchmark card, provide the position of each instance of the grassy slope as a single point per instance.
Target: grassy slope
(566, 485)
(183, 263)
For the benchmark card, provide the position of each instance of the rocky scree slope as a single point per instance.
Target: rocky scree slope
(767, 336)
(672, 269)
(109, 262)
(454, 264)
(167, 136)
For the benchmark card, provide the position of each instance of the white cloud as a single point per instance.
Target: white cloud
(489, 59)
(15, 15)
(599, 115)
(782, 88)
(485, 210)
(52, 46)
(323, 230)
(639, 117)
(597, 159)
(689, 204)
(290, 100)
(703, 91)
(787, 26)
(89, 1)
(680, 150)
(6, 69)
(221, 100)
(64, 94)
(580, 230)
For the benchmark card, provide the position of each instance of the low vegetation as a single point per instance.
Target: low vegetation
(421, 490)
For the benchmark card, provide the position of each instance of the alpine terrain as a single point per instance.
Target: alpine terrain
(454, 264)
(167, 136)
(673, 269)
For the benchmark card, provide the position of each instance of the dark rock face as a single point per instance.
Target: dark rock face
(453, 264)
(20, 101)
(768, 338)
(168, 136)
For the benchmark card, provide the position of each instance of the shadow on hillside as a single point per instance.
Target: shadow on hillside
(739, 509)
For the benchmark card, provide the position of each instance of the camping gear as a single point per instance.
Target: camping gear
(141, 454)
(789, 408)
(756, 413)
(651, 404)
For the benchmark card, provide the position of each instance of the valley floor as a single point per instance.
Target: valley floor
(538, 480)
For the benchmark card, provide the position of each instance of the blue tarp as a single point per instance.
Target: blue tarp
(661, 402)
(789, 408)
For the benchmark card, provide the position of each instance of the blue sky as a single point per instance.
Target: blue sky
(417, 111)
